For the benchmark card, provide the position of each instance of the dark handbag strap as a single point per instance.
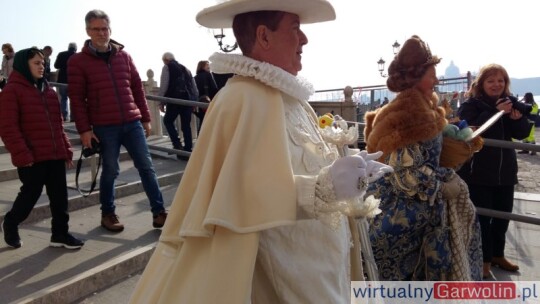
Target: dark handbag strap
(85, 192)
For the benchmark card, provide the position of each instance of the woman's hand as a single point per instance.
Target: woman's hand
(69, 164)
(515, 114)
(504, 104)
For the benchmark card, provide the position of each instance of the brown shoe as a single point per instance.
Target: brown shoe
(110, 222)
(503, 263)
(486, 271)
(159, 220)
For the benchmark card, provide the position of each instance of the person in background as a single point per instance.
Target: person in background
(428, 229)
(207, 88)
(61, 64)
(257, 217)
(221, 79)
(7, 63)
(108, 101)
(31, 129)
(47, 51)
(533, 116)
(177, 82)
(491, 173)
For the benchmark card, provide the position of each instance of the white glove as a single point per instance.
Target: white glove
(374, 169)
(348, 177)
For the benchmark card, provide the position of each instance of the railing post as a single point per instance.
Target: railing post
(150, 87)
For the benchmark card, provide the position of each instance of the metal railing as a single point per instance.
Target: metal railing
(487, 142)
(374, 94)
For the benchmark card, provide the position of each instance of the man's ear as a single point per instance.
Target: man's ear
(262, 37)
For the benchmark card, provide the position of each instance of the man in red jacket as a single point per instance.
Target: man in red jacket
(109, 105)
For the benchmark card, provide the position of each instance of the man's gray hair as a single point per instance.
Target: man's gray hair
(72, 46)
(168, 56)
(96, 14)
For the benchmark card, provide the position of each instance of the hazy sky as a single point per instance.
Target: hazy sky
(343, 52)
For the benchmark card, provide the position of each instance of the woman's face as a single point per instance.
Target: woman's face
(428, 81)
(494, 85)
(36, 66)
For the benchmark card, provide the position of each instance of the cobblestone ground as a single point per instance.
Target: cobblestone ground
(529, 173)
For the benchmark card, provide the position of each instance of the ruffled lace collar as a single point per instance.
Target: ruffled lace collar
(266, 73)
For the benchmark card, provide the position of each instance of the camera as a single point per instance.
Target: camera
(87, 152)
(523, 108)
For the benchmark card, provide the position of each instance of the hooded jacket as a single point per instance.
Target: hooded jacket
(105, 92)
(30, 118)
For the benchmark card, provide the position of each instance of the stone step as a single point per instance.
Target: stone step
(37, 273)
(128, 182)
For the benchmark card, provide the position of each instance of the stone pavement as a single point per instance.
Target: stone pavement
(107, 268)
(37, 273)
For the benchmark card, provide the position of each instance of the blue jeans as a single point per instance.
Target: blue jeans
(171, 113)
(131, 136)
(62, 91)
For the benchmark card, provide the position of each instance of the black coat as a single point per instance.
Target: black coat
(492, 166)
(206, 84)
(61, 64)
(181, 82)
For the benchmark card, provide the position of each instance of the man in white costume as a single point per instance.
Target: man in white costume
(259, 214)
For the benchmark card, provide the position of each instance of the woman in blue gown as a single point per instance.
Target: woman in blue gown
(428, 228)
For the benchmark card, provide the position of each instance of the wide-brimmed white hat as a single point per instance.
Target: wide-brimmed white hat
(221, 15)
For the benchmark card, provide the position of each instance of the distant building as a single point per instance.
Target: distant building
(452, 71)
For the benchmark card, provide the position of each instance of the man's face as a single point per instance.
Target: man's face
(286, 44)
(99, 33)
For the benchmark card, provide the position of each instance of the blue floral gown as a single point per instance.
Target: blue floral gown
(411, 237)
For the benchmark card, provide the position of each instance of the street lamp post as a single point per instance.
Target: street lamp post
(381, 63)
(218, 34)
(395, 48)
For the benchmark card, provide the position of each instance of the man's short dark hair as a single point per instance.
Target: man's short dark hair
(245, 26)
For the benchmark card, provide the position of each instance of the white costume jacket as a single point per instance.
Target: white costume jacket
(242, 227)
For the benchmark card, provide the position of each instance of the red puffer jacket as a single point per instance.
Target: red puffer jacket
(105, 93)
(31, 123)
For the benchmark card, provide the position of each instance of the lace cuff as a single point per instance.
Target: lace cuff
(324, 189)
(329, 210)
